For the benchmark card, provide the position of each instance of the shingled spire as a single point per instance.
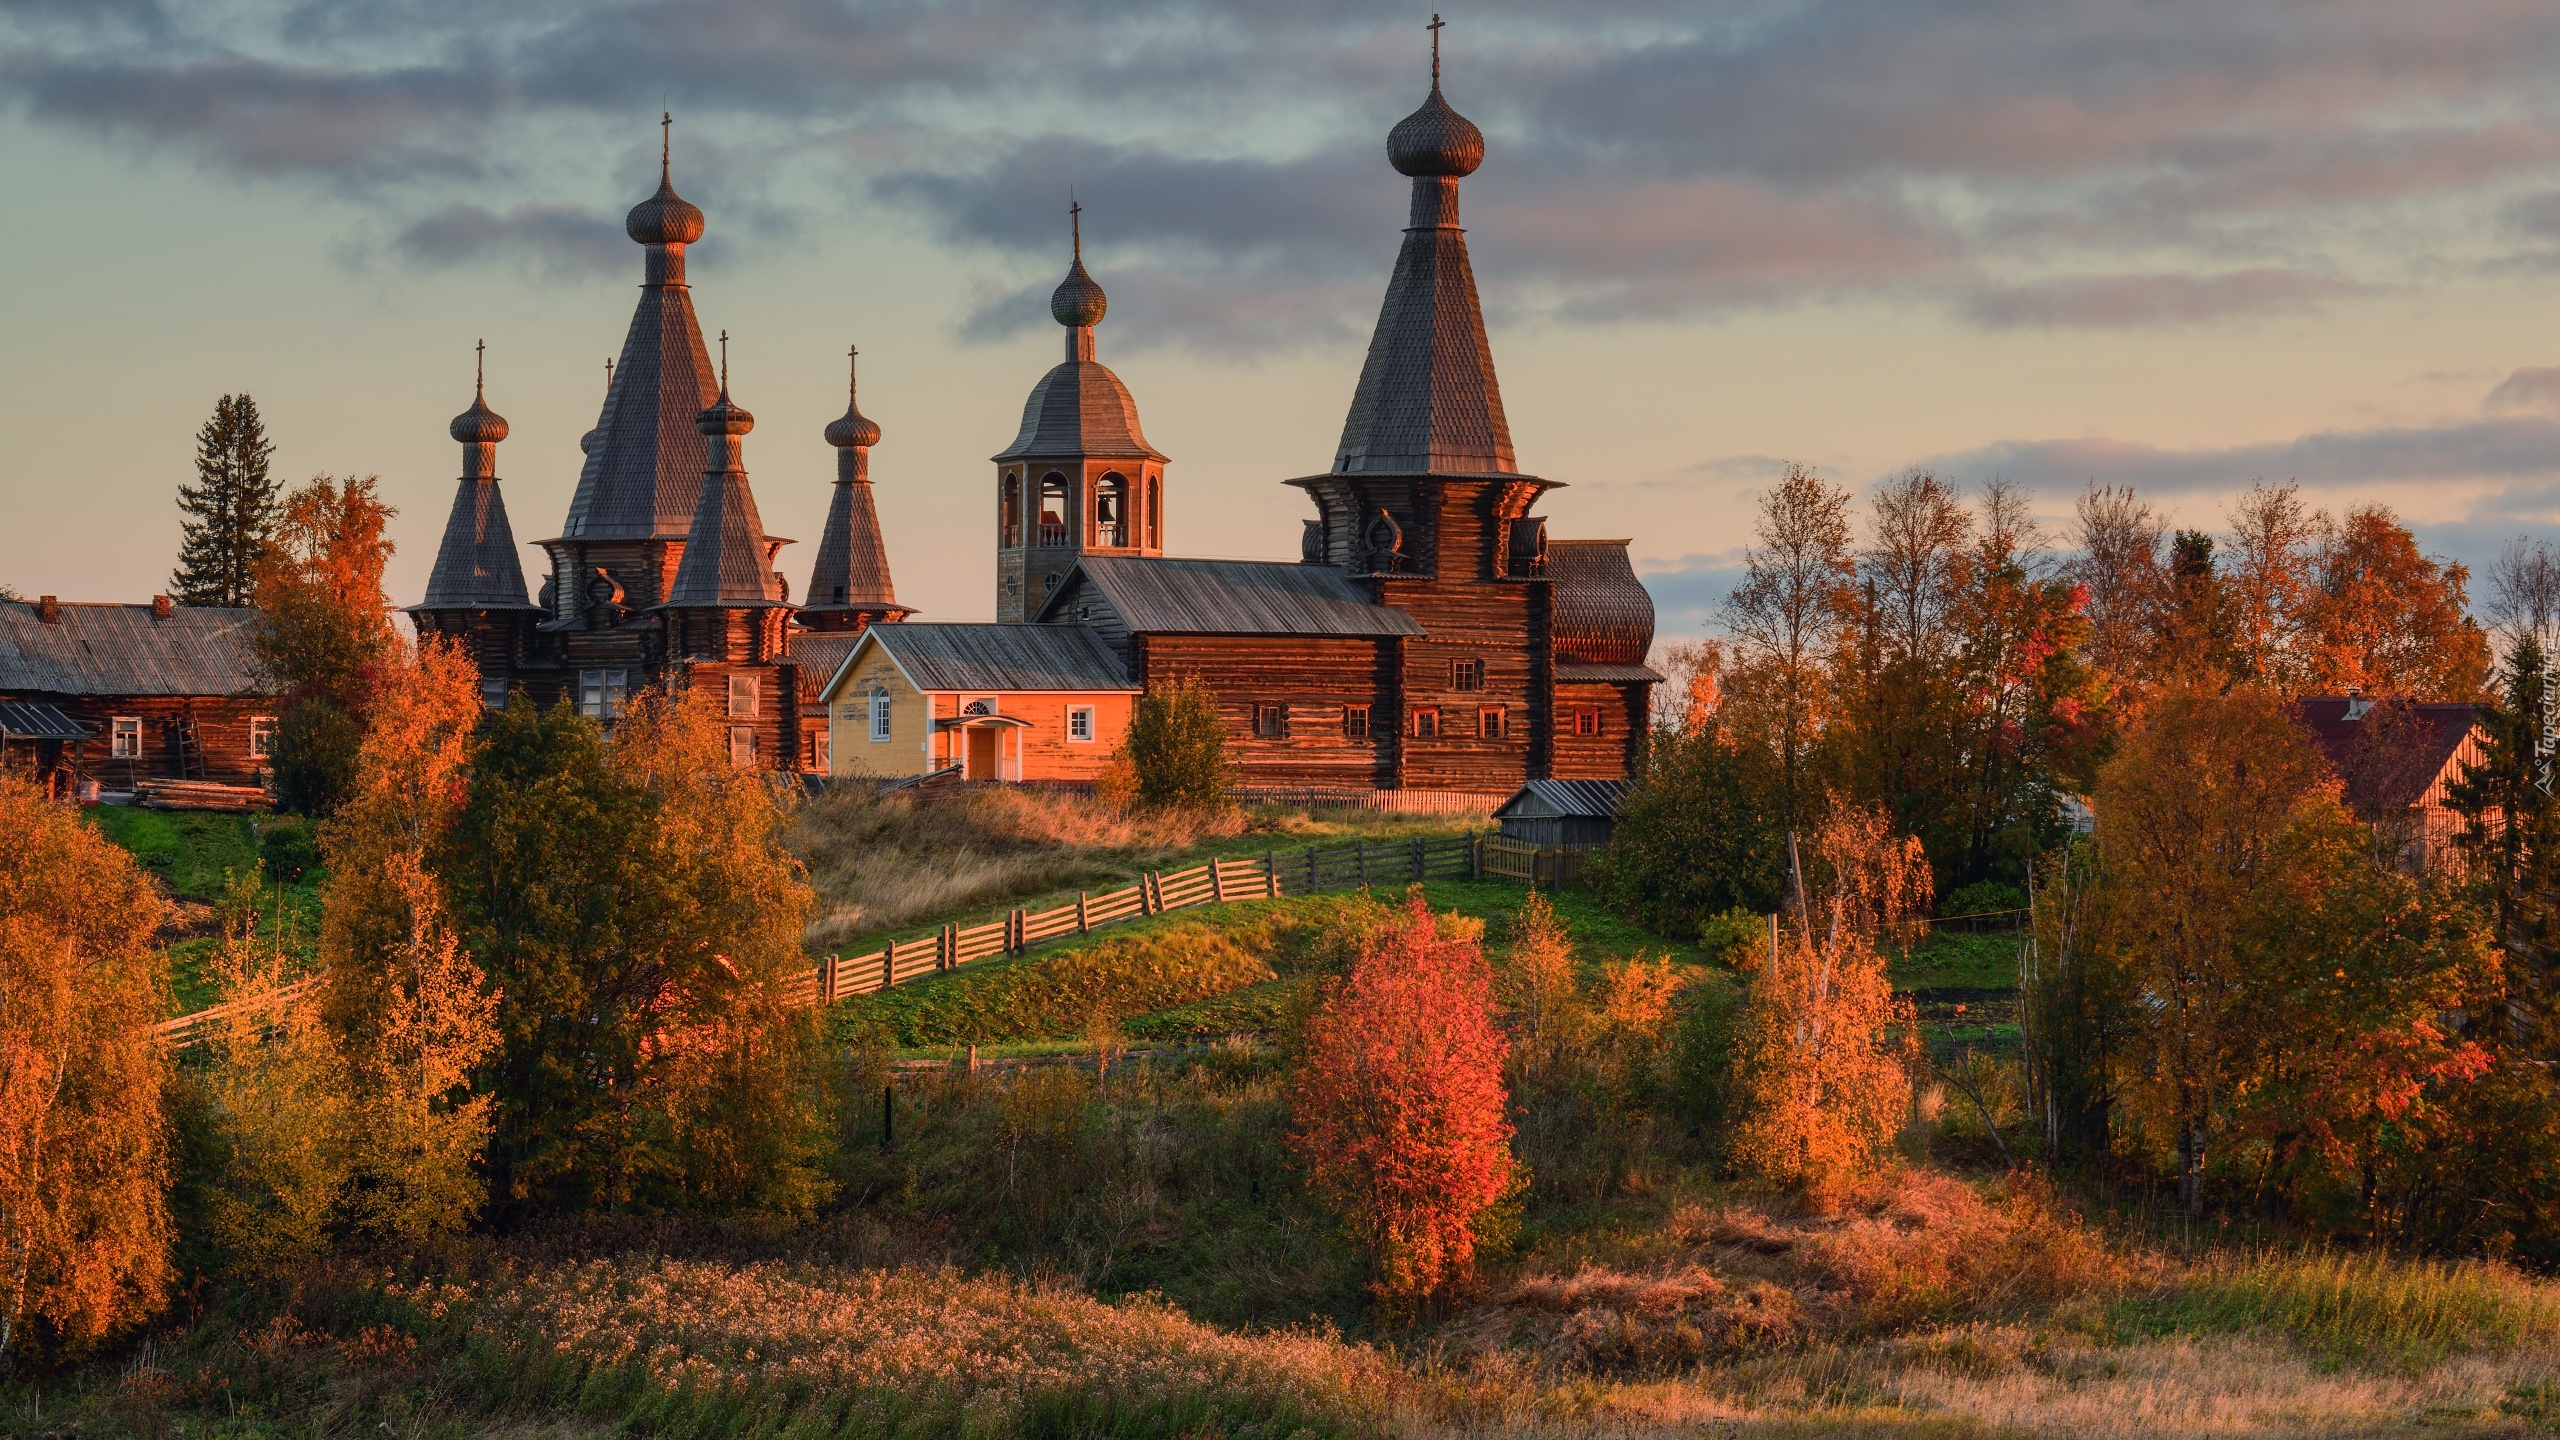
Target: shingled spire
(477, 567)
(849, 587)
(728, 559)
(1428, 401)
(644, 471)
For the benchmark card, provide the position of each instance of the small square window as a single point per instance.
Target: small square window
(879, 715)
(1271, 721)
(493, 693)
(1355, 722)
(1080, 723)
(1586, 721)
(262, 737)
(601, 693)
(1466, 674)
(742, 696)
(125, 740)
(1426, 723)
(742, 745)
(1493, 722)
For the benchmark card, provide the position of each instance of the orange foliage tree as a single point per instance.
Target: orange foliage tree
(1821, 1075)
(323, 631)
(1399, 1104)
(84, 1156)
(2388, 620)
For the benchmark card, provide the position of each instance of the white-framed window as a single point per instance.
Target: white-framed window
(980, 705)
(601, 693)
(879, 715)
(262, 737)
(1080, 723)
(125, 737)
(493, 692)
(742, 744)
(742, 696)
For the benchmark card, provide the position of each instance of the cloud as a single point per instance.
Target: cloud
(2530, 388)
(552, 239)
(2143, 301)
(2497, 449)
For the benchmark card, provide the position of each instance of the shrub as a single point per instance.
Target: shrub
(1699, 835)
(288, 848)
(315, 762)
(1178, 747)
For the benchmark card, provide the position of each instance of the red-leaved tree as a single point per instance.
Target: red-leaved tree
(1399, 1104)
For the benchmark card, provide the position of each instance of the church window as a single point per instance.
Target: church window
(1493, 722)
(1355, 722)
(1586, 721)
(1466, 674)
(1080, 723)
(1053, 509)
(1155, 514)
(1012, 508)
(1110, 511)
(1426, 723)
(879, 715)
(262, 737)
(126, 740)
(1271, 720)
(493, 692)
(742, 696)
(742, 745)
(601, 693)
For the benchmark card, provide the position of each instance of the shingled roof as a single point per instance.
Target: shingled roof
(1080, 408)
(645, 471)
(1428, 400)
(99, 649)
(477, 567)
(1154, 595)
(948, 657)
(1604, 615)
(728, 559)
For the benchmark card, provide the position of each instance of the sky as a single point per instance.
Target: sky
(2181, 245)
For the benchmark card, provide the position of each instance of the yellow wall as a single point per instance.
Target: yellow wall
(913, 747)
(851, 750)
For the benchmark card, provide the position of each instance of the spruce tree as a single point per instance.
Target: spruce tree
(228, 508)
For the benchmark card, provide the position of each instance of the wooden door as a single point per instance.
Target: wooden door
(983, 742)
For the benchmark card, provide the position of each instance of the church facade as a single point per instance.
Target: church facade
(1431, 635)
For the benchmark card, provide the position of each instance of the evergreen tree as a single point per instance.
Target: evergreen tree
(2511, 831)
(228, 509)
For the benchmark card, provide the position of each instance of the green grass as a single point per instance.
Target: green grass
(195, 854)
(2373, 1310)
(1955, 960)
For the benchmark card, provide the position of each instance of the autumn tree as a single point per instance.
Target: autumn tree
(227, 510)
(1700, 833)
(84, 1157)
(1784, 619)
(2268, 581)
(1895, 675)
(2387, 620)
(1398, 1105)
(1177, 747)
(1821, 1068)
(323, 631)
(636, 913)
(406, 1006)
(2119, 540)
(2524, 595)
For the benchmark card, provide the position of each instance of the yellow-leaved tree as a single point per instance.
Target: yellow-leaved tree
(84, 1155)
(1822, 1071)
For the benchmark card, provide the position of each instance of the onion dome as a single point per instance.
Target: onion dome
(1078, 301)
(665, 218)
(479, 425)
(854, 430)
(1435, 140)
(725, 417)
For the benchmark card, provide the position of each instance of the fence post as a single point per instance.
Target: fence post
(1271, 873)
(889, 966)
(1420, 871)
(1217, 880)
(1313, 883)
(946, 948)
(1021, 930)
(1083, 927)
(826, 982)
(1475, 857)
(1360, 855)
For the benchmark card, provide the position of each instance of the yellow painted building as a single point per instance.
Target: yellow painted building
(1002, 702)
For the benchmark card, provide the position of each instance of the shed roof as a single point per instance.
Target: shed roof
(23, 721)
(994, 658)
(1566, 799)
(1154, 595)
(106, 649)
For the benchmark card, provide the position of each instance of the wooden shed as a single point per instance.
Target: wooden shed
(161, 692)
(1563, 814)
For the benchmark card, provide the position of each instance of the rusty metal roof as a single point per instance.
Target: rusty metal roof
(105, 649)
(1000, 658)
(1159, 595)
(1603, 615)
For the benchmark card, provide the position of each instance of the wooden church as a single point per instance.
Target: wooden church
(1430, 636)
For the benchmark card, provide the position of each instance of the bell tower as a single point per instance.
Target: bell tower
(1080, 477)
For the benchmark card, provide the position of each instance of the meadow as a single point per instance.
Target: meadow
(1098, 1230)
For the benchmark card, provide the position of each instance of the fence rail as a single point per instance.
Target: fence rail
(840, 977)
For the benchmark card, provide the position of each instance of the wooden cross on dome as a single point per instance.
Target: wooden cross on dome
(1435, 27)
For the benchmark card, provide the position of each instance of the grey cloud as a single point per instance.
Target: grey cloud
(2501, 449)
(2133, 301)
(2529, 388)
(555, 239)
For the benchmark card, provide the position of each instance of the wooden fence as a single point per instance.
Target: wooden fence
(839, 977)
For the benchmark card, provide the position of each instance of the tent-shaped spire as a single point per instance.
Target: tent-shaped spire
(849, 586)
(1428, 400)
(728, 559)
(477, 567)
(645, 468)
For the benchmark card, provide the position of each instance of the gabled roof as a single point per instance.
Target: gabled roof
(2382, 762)
(1154, 595)
(123, 650)
(477, 567)
(820, 654)
(1604, 615)
(1080, 408)
(993, 658)
(1566, 799)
